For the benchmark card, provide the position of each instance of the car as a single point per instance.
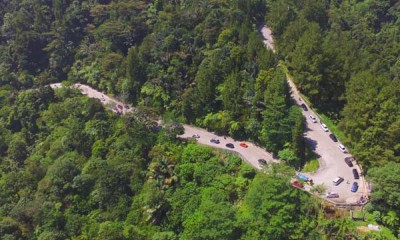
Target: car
(332, 195)
(214, 140)
(262, 161)
(297, 184)
(342, 148)
(126, 106)
(324, 127)
(230, 145)
(355, 174)
(120, 106)
(304, 107)
(244, 145)
(338, 180)
(354, 187)
(196, 136)
(348, 161)
(313, 119)
(333, 137)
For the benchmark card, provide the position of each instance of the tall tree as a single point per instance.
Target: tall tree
(135, 76)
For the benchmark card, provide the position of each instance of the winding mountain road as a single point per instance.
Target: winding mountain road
(251, 154)
(331, 159)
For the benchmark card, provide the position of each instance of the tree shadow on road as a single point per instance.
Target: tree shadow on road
(312, 144)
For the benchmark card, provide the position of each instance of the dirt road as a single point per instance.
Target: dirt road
(110, 103)
(266, 35)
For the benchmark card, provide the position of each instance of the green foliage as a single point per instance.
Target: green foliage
(288, 156)
(344, 58)
(385, 196)
(71, 170)
(271, 218)
(311, 166)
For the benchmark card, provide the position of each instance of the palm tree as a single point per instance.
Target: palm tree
(391, 219)
(162, 171)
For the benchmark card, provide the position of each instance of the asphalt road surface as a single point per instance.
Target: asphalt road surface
(331, 159)
(251, 154)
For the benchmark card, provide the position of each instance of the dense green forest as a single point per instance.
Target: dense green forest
(72, 170)
(345, 57)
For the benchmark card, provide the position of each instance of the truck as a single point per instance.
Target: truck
(302, 177)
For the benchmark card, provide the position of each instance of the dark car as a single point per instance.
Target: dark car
(304, 107)
(230, 145)
(262, 161)
(354, 187)
(333, 137)
(297, 184)
(196, 136)
(355, 174)
(120, 106)
(214, 140)
(348, 161)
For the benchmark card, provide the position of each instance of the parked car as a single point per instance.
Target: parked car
(332, 195)
(338, 181)
(333, 137)
(354, 187)
(120, 106)
(214, 140)
(297, 184)
(302, 176)
(313, 119)
(355, 174)
(348, 161)
(196, 136)
(126, 106)
(262, 161)
(304, 107)
(342, 148)
(244, 145)
(324, 127)
(229, 145)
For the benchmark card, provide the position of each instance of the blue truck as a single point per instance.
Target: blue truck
(302, 177)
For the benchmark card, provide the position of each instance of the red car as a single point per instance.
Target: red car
(297, 184)
(244, 145)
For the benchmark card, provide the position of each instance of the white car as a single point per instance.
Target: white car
(342, 148)
(337, 181)
(313, 119)
(324, 127)
(332, 195)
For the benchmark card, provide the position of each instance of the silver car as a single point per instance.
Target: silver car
(332, 195)
(313, 119)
